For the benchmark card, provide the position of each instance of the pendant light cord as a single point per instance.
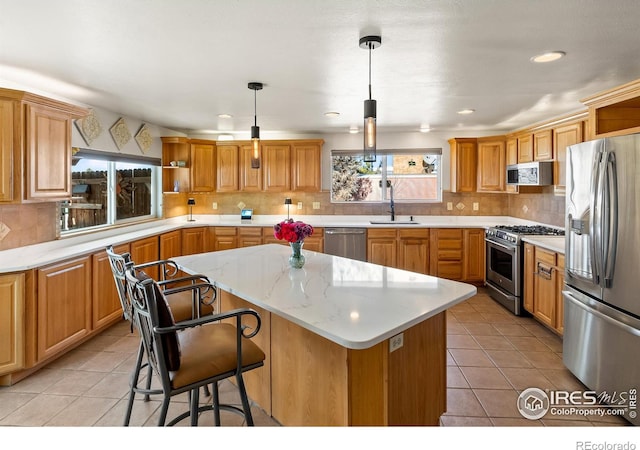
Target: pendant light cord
(255, 108)
(369, 45)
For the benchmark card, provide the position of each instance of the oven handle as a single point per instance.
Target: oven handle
(505, 247)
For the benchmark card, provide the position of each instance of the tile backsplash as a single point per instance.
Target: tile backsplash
(28, 224)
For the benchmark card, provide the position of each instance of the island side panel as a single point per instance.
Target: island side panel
(368, 386)
(309, 377)
(417, 375)
(257, 381)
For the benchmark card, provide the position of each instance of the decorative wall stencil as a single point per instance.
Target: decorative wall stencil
(143, 138)
(4, 230)
(120, 133)
(89, 127)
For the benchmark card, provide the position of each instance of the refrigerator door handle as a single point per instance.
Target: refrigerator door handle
(610, 218)
(568, 295)
(595, 225)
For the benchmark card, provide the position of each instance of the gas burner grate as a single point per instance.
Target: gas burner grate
(531, 229)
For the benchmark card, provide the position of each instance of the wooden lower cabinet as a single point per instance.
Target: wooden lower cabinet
(382, 247)
(12, 319)
(543, 284)
(223, 238)
(171, 244)
(193, 240)
(249, 236)
(106, 308)
(413, 250)
(457, 254)
(315, 242)
(64, 311)
(146, 250)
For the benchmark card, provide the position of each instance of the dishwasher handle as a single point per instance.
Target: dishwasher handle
(330, 231)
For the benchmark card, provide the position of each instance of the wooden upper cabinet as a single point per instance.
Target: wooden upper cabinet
(306, 162)
(203, 166)
(492, 166)
(525, 148)
(563, 137)
(512, 158)
(543, 145)
(35, 147)
(227, 167)
(276, 170)
(175, 178)
(464, 164)
(250, 178)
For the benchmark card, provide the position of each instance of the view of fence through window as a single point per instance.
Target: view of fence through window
(414, 174)
(105, 192)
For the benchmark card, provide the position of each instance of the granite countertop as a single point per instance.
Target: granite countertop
(352, 303)
(553, 243)
(38, 255)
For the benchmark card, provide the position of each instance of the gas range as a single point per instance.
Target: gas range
(512, 234)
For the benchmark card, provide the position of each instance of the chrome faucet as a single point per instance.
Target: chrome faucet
(392, 204)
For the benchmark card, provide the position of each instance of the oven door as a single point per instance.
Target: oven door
(503, 266)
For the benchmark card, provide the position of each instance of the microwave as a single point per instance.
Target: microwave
(539, 173)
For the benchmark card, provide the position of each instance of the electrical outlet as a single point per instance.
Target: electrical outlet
(449, 206)
(214, 205)
(396, 342)
(476, 206)
(299, 205)
(316, 205)
(241, 205)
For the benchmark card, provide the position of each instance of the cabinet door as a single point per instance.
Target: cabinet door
(473, 256)
(529, 271)
(106, 306)
(543, 145)
(203, 164)
(9, 152)
(227, 159)
(48, 153)
(12, 338)
(525, 148)
(563, 137)
(277, 167)
(413, 250)
(171, 244)
(146, 250)
(64, 305)
(381, 247)
(544, 304)
(193, 240)
(446, 253)
(315, 242)
(464, 165)
(305, 162)
(559, 323)
(492, 166)
(250, 179)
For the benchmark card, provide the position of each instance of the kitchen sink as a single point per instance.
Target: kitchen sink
(394, 222)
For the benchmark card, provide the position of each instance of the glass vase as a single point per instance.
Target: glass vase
(296, 260)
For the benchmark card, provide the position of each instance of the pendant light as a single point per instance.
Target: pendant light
(370, 43)
(255, 129)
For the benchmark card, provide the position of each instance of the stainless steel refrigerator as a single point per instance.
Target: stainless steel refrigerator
(601, 343)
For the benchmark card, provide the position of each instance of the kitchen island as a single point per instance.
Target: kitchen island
(347, 342)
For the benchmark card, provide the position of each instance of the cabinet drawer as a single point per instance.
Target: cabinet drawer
(450, 270)
(225, 231)
(449, 255)
(449, 233)
(419, 233)
(381, 233)
(545, 256)
(250, 231)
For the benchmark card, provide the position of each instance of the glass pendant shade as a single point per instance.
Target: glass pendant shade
(255, 147)
(369, 130)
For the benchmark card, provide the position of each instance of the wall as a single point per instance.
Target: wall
(540, 205)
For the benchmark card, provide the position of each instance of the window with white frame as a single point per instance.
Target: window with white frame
(409, 175)
(109, 189)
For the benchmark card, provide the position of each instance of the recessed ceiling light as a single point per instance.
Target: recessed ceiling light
(225, 116)
(548, 57)
(466, 111)
(225, 137)
(332, 114)
(353, 130)
(425, 128)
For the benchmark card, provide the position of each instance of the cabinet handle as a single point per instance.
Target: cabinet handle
(544, 272)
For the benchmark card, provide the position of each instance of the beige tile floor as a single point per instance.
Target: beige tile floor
(492, 356)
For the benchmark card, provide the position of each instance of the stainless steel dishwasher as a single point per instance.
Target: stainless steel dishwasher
(347, 242)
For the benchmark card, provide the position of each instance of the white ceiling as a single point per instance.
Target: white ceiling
(180, 63)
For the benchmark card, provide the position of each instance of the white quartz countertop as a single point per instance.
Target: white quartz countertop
(352, 303)
(553, 243)
(39, 255)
